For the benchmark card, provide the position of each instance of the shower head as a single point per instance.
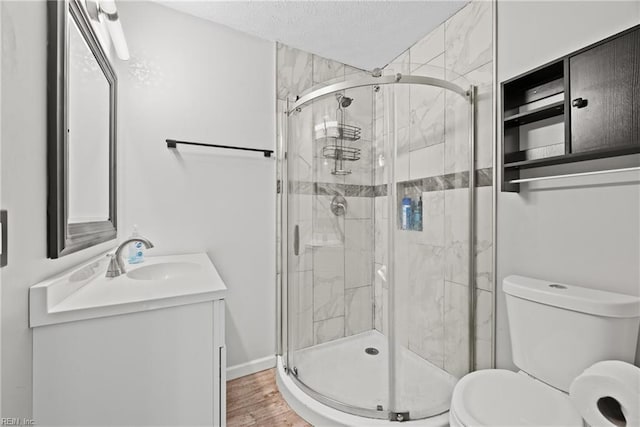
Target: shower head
(343, 101)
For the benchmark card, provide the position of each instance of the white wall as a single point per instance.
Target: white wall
(187, 79)
(194, 80)
(24, 192)
(582, 231)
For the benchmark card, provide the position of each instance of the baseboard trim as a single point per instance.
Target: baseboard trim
(251, 367)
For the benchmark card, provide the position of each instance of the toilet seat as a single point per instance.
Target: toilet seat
(497, 397)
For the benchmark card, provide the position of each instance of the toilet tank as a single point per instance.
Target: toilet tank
(558, 330)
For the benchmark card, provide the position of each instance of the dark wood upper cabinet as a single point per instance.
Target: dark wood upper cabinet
(605, 94)
(587, 102)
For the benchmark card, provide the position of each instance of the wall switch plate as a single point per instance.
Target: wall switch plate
(3, 238)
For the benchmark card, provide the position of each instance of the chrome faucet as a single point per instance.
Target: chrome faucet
(116, 264)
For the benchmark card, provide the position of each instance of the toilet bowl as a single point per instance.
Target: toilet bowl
(557, 331)
(498, 397)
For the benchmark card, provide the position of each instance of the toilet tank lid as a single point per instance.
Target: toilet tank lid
(585, 300)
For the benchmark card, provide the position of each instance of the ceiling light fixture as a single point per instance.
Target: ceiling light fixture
(107, 8)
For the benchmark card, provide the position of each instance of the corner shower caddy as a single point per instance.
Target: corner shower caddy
(335, 133)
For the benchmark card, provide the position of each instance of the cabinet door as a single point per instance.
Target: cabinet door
(605, 95)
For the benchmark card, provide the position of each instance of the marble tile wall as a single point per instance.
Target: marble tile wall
(336, 252)
(342, 270)
(433, 131)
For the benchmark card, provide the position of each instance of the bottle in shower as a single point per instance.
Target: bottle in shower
(406, 213)
(417, 215)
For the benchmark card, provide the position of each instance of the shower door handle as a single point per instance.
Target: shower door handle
(296, 240)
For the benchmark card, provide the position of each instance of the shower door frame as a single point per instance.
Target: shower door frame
(283, 318)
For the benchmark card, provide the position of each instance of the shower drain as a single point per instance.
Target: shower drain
(371, 350)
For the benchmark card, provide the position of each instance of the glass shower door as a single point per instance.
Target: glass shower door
(334, 352)
(378, 236)
(429, 214)
(299, 175)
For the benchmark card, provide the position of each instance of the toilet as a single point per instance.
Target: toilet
(557, 331)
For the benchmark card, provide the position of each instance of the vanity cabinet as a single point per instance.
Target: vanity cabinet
(157, 367)
(583, 106)
(145, 348)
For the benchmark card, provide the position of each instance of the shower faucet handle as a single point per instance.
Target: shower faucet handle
(338, 205)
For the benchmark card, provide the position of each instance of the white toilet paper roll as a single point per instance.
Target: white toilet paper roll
(608, 394)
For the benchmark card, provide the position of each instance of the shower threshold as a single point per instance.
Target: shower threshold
(347, 370)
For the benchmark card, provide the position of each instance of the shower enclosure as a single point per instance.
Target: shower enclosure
(376, 301)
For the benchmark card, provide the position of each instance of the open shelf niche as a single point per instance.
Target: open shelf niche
(583, 106)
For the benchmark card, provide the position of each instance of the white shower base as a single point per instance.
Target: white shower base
(342, 371)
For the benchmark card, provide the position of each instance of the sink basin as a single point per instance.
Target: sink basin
(164, 271)
(84, 292)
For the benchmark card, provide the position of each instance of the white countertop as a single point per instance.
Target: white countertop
(85, 293)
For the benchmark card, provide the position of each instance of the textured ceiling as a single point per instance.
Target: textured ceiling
(363, 34)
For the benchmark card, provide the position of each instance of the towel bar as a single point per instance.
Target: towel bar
(571, 175)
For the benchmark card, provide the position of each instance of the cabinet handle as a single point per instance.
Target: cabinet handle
(3, 238)
(296, 240)
(579, 103)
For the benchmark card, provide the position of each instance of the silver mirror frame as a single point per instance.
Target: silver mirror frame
(64, 238)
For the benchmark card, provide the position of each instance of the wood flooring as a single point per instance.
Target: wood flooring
(254, 400)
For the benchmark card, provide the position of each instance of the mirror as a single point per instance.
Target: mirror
(88, 134)
(82, 133)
